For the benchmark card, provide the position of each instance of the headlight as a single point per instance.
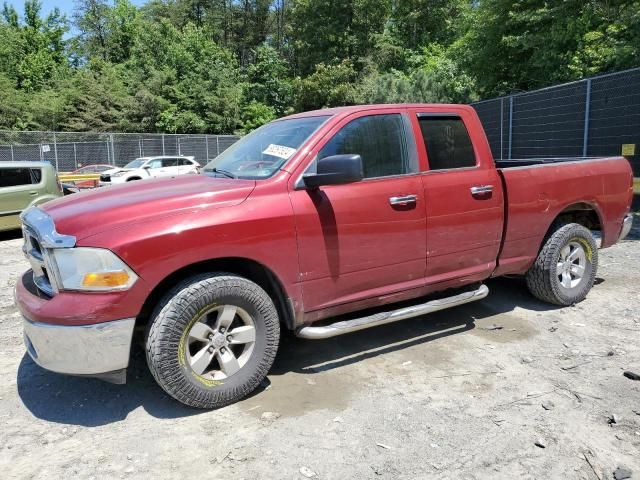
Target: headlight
(118, 174)
(94, 269)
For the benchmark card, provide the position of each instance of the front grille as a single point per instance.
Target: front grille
(37, 258)
(105, 177)
(40, 239)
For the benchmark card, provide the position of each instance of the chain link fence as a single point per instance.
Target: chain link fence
(68, 151)
(598, 116)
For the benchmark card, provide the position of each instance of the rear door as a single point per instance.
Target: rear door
(463, 197)
(363, 239)
(170, 167)
(18, 188)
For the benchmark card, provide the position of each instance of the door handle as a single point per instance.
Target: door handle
(481, 190)
(33, 193)
(403, 200)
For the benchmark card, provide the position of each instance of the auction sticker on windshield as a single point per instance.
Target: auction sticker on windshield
(279, 151)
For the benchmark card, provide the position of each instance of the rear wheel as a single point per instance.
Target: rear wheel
(565, 268)
(212, 340)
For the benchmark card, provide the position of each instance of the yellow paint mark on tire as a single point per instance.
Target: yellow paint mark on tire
(586, 245)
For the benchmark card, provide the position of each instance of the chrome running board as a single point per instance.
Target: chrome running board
(348, 326)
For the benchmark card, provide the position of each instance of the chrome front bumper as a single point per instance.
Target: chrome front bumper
(626, 226)
(100, 350)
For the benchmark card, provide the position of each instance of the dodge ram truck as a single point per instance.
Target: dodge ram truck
(320, 223)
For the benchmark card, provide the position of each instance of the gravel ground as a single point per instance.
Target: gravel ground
(464, 393)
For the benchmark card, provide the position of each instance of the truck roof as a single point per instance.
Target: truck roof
(360, 108)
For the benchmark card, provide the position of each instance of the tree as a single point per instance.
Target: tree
(327, 86)
(416, 23)
(96, 97)
(107, 30)
(329, 31)
(524, 44)
(91, 17)
(202, 84)
(254, 115)
(12, 106)
(268, 81)
(32, 51)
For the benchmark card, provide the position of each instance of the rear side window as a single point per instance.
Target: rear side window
(447, 142)
(380, 140)
(13, 177)
(169, 162)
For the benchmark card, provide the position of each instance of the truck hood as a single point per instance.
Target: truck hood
(87, 213)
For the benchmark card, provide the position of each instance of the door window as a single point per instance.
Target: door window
(155, 163)
(447, 142)
(13, 177)
(380, 140)
(169, 162)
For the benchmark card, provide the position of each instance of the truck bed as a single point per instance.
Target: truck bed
(538, 190)
(527, 162)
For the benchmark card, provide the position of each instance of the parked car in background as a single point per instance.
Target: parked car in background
(22, 185)
(85, 177)
(150, 167)
(97, 168)
(306, 219)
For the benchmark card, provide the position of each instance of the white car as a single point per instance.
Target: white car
(150, 167)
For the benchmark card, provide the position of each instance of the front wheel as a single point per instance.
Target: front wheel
(212, 340)
(565, 268)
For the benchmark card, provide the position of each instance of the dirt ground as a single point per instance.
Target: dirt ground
(464, 393)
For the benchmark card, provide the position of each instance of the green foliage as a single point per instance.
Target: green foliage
(12, 105)
(225, 66)
(329, 31)
(416, 23)
(32, 52)
(256, 114)
(523, 44)
(268, 81)
(327, 86)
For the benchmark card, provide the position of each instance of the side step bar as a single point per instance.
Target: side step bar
(348, 326)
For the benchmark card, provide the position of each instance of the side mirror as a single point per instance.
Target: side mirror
(335, 170)
(146, 167)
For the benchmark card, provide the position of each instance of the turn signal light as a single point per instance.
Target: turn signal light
(106, 279)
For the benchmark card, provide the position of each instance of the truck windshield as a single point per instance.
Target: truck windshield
(265, 150)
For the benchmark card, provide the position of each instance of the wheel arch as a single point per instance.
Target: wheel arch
(243, 267)
(583, 213)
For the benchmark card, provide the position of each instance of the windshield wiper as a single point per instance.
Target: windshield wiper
(222, 172)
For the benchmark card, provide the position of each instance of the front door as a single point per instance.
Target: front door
(365, 239)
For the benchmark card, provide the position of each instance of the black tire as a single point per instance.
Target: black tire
(174, 318)
(542, 278)
(133, 179)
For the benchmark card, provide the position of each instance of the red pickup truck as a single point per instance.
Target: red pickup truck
(306, 219)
